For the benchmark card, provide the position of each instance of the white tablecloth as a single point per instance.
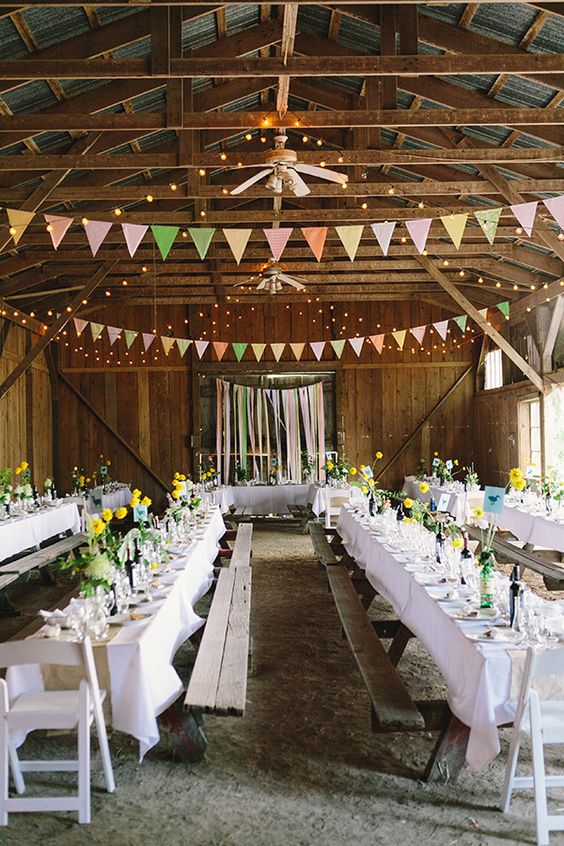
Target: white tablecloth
(19, 533)
(460, 503)
(269, 499)
(478, 675)
(115, 499)
(222, 497)
(319, 494)
(143, 682)
(537, 529)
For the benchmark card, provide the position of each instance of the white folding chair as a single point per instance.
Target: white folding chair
(543, 721)
(333, 502)
(50, 709)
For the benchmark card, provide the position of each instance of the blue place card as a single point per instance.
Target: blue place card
(140, 513)
(103, 470)
(436, 462)
(493, 499)
(443, 502)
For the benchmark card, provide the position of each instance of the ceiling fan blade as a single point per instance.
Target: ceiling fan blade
(261, 285)
(251, 181)
(248, 281)
(291, 281)
(322, 173)
(300, 189)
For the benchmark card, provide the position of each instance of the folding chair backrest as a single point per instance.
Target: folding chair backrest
(548, 662)
(43, 651)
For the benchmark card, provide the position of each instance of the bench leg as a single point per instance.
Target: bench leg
(184, 731)
(47, 576)
(6, 607)
(363, 588)
(399, 643)
(449, 754)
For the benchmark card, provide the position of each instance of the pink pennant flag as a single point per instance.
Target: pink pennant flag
(79, 325)
(383, 233)
(96, 231)
(441, 328)
(220, 348)
(555, 205)
(317, 347)
(418, 333)
(378, 341)
(419, 231)
(148, 338)
(113, 333)
(525, 214)
(201, 347)
(315, 236)
(277, 240)
(59, 226)
(133, 234)
(356, 344)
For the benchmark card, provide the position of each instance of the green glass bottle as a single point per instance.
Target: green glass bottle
(487, 563)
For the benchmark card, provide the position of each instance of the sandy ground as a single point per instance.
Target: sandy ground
(302, 767)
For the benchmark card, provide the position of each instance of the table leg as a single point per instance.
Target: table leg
(449, 754)
(399, 642)
(184, 730)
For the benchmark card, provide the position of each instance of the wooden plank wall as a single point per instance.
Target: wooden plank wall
(380, 400)
(25, 412)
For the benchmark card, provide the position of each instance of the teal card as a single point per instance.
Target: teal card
(493, 499)
(140, 513)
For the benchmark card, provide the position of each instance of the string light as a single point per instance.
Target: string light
(149, 198)
(85, 221)
(173, 186)
(223, 157)
(117, 212)
(319, 142)
(202, 171)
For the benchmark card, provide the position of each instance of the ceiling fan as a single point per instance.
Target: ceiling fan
(284, 169)
(271, 277)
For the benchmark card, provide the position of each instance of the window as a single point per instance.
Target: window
(530, 435)
(494, 370)
(554, 430)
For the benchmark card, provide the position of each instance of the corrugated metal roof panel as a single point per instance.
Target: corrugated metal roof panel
(136, 50)
(74, 87)
(11, 44)
(30, 97)
(155, 139)
(241, 16)
(518, 91)
(450, 13)
(491, 134)
(109, 14)
(50, 26)
(505, 21)
(314, 18)
(13, 149)
(359, 35)
(52, 140)
(151, 101)
(472, 82)
(551, 37)
(199, 32)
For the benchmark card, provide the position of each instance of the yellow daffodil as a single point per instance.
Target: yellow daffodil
(81, 480)
(515, 475)
(98, 526)
(212, 469)
(154, 565)
(364, 489)
(135, 502)
(371, 483)
(424, 487)
(175, 494)
(18, 471)
(109, 463)
(455, 462)
(436, 454)
(478, 512)
(107, 514)
(136, 492)
(379, 455)
(121, 513)
(24, 465)
(146, 501)
(177, 475)
(362, 468)
(408, 503)
(330, 465)
(457, 543)
(353, 471)
(407, 520)
(520, 485)
(88, 480)
(182, 477)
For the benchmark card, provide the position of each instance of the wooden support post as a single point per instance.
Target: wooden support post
(160, 41)
(286, 50)
(556, 321)
(56, 327)
(388, 47)
(175, 87)
(473, 312)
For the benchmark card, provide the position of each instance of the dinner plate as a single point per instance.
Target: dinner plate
(503, 635)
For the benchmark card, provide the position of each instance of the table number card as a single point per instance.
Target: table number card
(436, 462)
(449, 465)
(103, 470)
(140, 513)
(493, 499)
(96, 500)
(443, 502)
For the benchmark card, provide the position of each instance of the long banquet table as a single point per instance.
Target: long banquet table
(478, 675)
(135, 665)
(29, 530)
(460, 502)
(537, 529)
(113, 500)
(269, 499)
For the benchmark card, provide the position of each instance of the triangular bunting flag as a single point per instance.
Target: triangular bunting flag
(504, 308)
(148, 338)
(315, 236)
(96, 231)
(418, 333)
(113, 334)
(130, 336)
(182, 345)
(277, 350)
(399, 337)
(317, 347)
(277, 240)
(258, 350)
(555, 205)
(19, 221)
(164, 236)
(239, 350)
(96, 329)
(461, 321)
(297, 349)
(350, 238)
(202, 239)
(167, 343)
(384, 232)
(201, 347)
(377, 341)
(220, 348)
(455, 224)
(441, 327)
(356, 344)
(419, 231)
(489, 220)
(79, 325)
(59, 226)
(338, 346)
(525, 214)
(133, 234)
(237, 240)
(483, 312)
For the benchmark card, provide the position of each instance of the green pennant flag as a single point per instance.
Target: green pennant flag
(130, 336)
(504, 308)
(202, 239)
(96, 329)
(461, 322)
(182, 345)
(239, 350)
(338, 346)
(489, 220)
(164, 236)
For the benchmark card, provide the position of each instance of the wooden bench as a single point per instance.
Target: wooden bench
(302, 514)
(218, 684)
(37, 560)
(552, 572)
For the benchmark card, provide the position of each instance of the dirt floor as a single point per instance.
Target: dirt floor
(302, 767)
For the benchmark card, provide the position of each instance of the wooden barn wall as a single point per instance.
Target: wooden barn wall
(150, 400)
(25, 412)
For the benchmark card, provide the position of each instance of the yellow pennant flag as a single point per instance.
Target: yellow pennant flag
(277, 349)
(19, 221)
(350, 238)
(399, 337)
(167, 343)
(237, 240)
(258, 350)
(297, 349)
(455, 224)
